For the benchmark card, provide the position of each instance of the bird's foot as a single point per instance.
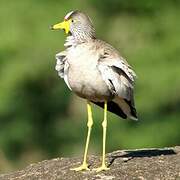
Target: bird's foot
(84, 166)
(101, 168)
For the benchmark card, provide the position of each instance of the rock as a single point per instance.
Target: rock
(140, 164)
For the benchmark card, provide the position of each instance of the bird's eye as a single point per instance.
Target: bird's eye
(72, 20)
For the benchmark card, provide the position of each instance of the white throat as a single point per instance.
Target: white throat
(70, 41)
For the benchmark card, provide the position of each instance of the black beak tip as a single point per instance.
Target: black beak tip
(51, 27)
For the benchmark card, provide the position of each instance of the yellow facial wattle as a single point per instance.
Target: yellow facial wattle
(63, 25)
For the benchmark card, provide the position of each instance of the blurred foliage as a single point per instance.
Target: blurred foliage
(133, 7)
(39, 116)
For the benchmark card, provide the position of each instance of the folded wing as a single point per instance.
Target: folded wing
(119, 77)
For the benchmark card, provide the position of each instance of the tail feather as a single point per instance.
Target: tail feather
(120, 107)
(133, 110)
(112, 107)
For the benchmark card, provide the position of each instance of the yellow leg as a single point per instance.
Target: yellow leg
(103, 166)
(84, 165)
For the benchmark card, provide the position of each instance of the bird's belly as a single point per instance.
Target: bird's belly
(86, 81)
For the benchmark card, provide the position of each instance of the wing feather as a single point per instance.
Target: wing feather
(119, 77)
(117, 82)
(120, 64)
(60, 62)
(62, 66)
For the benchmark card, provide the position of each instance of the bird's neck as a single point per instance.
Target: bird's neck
(70, 42)
(74, 40)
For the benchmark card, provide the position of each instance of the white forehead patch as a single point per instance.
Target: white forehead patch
(68, 15)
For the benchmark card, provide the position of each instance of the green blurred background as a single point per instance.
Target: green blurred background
(41, 119)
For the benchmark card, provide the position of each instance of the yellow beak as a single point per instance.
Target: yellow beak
(63, 25)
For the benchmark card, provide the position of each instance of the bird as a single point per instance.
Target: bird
(94, 70)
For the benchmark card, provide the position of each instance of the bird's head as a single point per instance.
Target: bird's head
(77, 24)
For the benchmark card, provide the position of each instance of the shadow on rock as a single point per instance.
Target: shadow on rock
(129, 155)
